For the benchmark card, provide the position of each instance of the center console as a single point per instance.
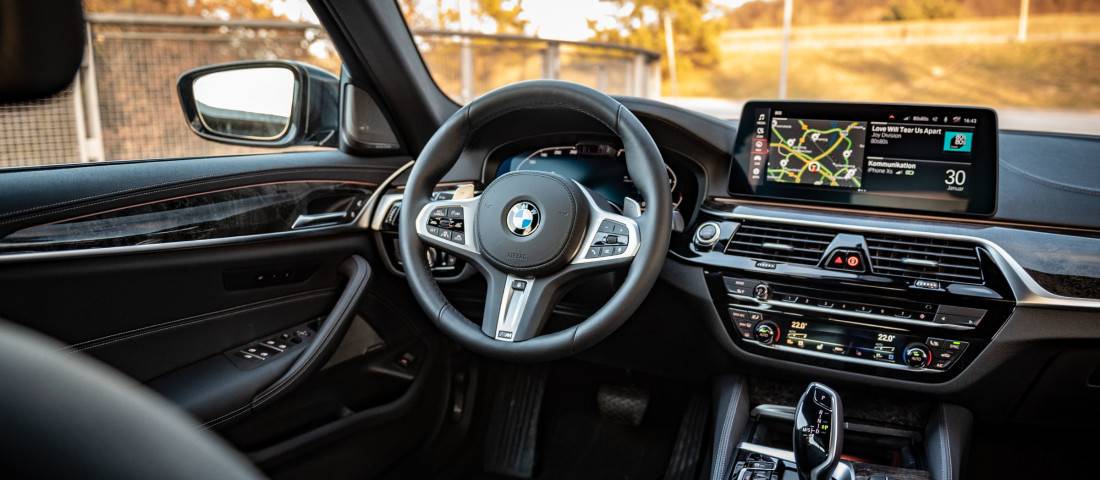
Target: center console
(881, 303)
(764, 431)
(915, 305)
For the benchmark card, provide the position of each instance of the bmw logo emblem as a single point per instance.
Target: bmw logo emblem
(523, 219)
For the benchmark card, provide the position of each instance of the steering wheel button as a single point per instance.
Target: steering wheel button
(445, 234)
(519, 285)
(607, 226)
(458, 237)
(593, 252)
(439, 212)
(620, 229)
(607, 251)
(455, 213)
(620, 250)
(433, 231)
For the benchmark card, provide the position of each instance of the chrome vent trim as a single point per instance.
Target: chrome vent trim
(779, 242)
(925, 258)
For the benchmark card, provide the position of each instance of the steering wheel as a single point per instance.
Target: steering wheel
(531, 234)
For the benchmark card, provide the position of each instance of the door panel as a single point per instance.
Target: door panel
(171, 271)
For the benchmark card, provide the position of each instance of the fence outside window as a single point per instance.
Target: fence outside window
(123, 103)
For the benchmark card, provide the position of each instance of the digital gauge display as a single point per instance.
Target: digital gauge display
(600, 167)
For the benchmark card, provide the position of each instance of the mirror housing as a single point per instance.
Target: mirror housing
(257, 104)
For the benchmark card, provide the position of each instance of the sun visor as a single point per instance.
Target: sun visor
(41, 46)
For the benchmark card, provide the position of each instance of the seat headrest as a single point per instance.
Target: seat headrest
(41, 46)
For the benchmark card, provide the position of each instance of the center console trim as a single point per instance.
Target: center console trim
(867, 316)
(1027, 291)
(842, 472)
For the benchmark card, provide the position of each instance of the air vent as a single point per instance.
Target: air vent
(924, 258)
(780, 242)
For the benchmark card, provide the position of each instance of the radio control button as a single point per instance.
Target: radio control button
(935, 342)
(740, 286)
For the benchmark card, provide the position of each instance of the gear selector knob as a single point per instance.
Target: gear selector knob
(818, 432)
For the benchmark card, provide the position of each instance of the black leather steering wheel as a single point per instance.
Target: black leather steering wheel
(532, 233)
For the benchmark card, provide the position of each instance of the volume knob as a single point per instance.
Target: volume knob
(707, 235)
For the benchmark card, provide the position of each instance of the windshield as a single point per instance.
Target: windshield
(1037, 62)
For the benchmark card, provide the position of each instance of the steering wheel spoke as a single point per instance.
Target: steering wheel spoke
(516, 308)
(610, 239)
(450, 225)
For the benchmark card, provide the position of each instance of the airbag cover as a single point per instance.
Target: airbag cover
(531, 223)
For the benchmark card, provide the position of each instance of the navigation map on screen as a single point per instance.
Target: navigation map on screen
(816, 152)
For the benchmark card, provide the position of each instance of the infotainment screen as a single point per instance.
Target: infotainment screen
(940, 160)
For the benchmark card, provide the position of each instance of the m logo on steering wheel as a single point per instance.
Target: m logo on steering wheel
(523, 219)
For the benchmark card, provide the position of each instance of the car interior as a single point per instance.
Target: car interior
(545, 282)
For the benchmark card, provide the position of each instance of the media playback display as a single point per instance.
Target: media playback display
(902, 157)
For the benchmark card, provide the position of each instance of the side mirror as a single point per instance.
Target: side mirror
(262, 104)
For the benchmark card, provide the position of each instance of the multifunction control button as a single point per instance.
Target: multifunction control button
(846, 260)
(740, 286)
(612, 238)
(945, 351)
(448, 223)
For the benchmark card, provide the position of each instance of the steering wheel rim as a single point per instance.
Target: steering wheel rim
(511, 326)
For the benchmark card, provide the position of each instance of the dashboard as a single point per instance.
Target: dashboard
(927, 251)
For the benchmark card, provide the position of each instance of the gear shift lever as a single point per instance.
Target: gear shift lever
(818, 432)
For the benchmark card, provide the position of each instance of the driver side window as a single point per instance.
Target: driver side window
(123, 103)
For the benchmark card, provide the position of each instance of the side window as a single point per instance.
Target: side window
(123, 105)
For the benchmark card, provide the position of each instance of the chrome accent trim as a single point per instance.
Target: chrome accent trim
(775, 412)
(631, 208)
(597, 217)
(511, 312)
(920, 262)
(384, 204)
(843, 470)
(1027, 291)
(319, 220)
(785, 455)
(841, 358)
(365, 221)
(867, 316)
(707, 242)
(777, 246)
(186, 244)
(469, 224)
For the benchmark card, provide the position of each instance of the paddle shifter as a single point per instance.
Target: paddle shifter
(818, 432)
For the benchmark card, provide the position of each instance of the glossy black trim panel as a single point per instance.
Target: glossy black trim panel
(219, 214)
(1015, 251)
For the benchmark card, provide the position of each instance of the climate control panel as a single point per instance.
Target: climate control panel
(839, 326)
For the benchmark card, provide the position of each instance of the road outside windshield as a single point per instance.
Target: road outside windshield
(1036, 61)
